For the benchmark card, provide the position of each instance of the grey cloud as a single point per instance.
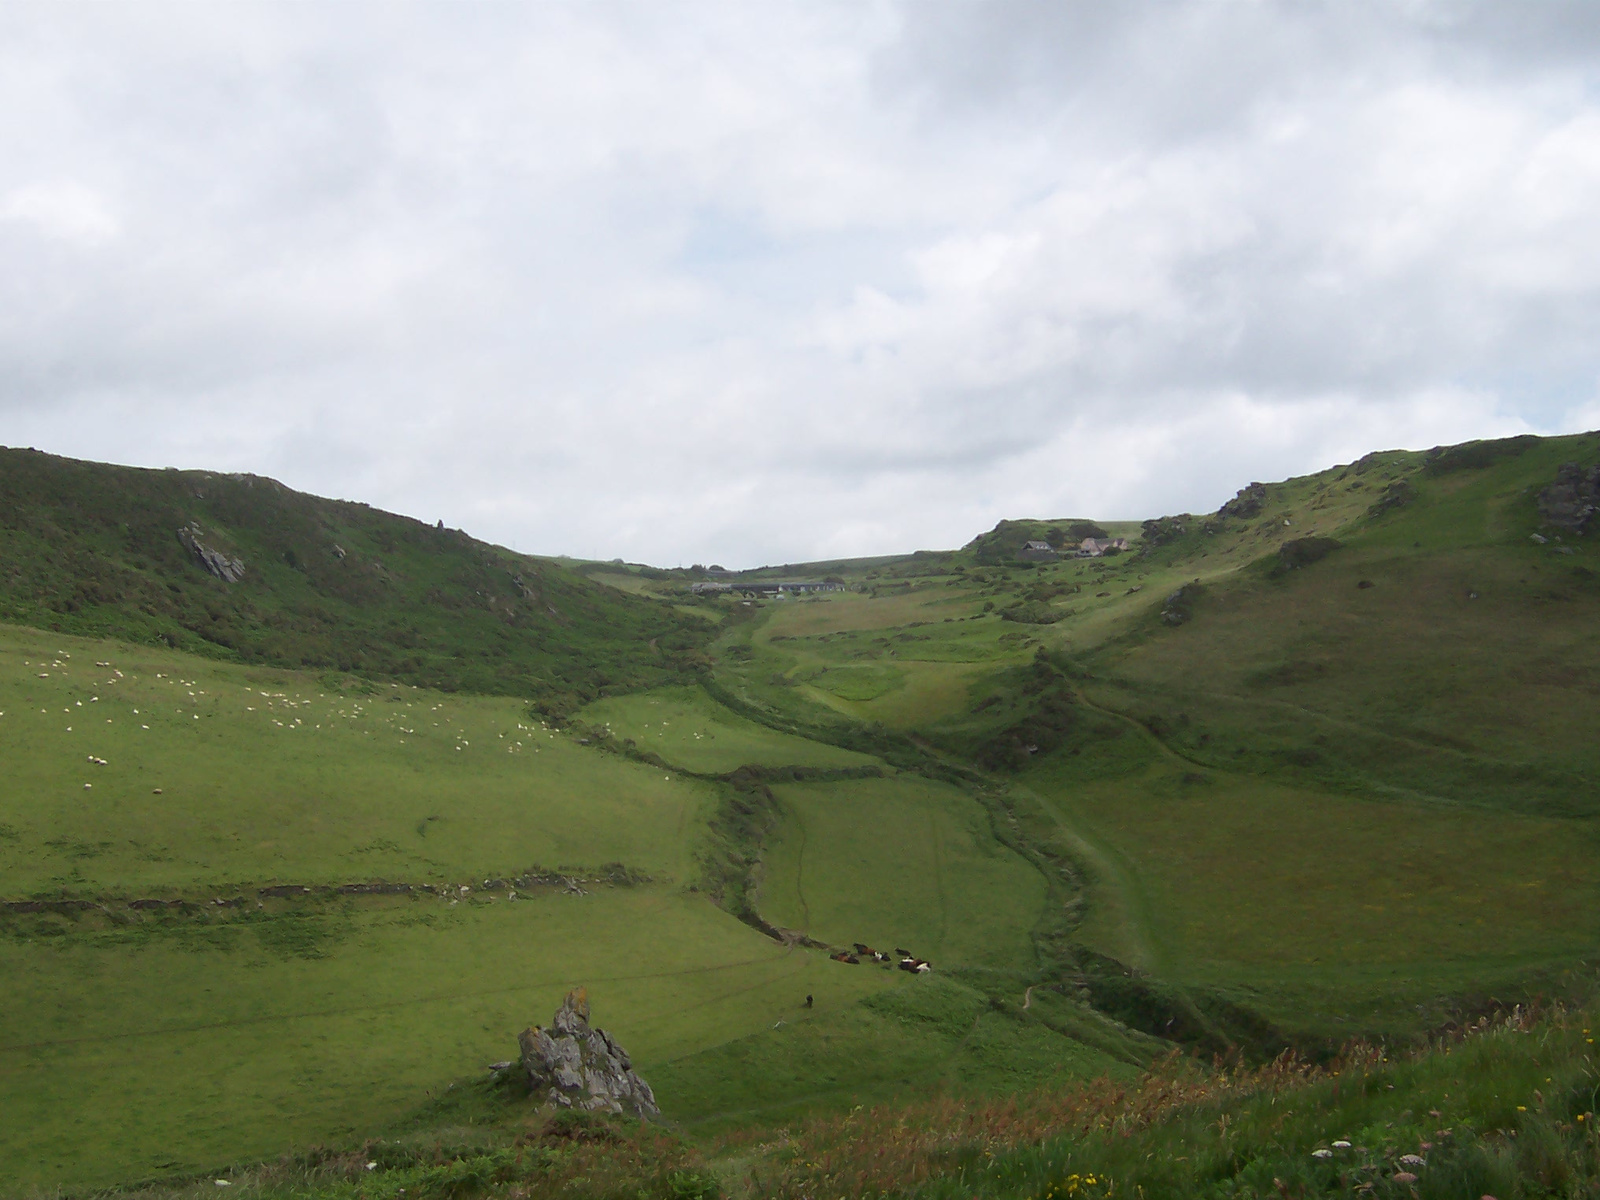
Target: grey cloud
(746, 283)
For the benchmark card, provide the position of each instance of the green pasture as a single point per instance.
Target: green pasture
(913, 1036)
(142, 1042)
(172, 1044)
(269, 776)
(1325, 912)
(900, 862)
(690, 730)
(923, 693)
(901, 659)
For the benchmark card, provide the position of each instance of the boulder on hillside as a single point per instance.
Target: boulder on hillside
(576, 1066)
(1179, 606)
(1573, 499)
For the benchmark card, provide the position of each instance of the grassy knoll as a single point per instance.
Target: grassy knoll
(270, 776)
(688, 729)
(95, 549)
(901, 862)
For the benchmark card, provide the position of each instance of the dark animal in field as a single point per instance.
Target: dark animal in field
(916, 965)
(808, 999)
(863, 949)
(903, 953)
(844, 956)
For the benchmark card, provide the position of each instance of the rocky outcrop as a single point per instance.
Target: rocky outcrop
(1159, 531)
(1247, 503)
(575, 1066)
(1302, 552)
(1395, 495)
(1179, 606)
(1573, 499)
(229, 570)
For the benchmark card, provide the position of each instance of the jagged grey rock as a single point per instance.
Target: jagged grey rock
(1573, 499)
(576, 1066)
(229, 570)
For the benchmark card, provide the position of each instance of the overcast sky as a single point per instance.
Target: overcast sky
(762, 281)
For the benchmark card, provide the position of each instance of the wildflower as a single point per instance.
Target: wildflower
(1341, 1144)
(1404, 1177)
(1413, 1160)
(1322, 1154)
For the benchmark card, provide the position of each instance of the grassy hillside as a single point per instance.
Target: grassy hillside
(1503, 1109)
(96, 550)
(1318, 766)
(1326, 757)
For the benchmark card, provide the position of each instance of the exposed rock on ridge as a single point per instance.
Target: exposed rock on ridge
(576, 1066)
(229, 570)
(1573, 499)
(1247, 503)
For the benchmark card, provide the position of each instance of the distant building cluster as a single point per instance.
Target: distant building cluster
(1088, 548)
(767, 587)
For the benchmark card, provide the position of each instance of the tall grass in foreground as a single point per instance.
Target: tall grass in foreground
(1504, 1109)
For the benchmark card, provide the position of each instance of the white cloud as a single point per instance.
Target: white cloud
(743, 283)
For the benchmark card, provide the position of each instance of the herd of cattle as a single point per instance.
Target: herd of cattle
(907, 961)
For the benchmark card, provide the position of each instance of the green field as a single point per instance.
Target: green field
(173, 1044)
(901, 862)
(269, 777)
(238, 1021)
(691, 731)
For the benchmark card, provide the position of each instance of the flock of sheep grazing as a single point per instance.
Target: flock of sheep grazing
(907, 960)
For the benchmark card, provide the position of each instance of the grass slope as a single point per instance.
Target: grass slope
(688, 729)
(93, 549)
(171, 1044)
(170, 1006)
(268, 777)
(1347, 791)
(901, 862)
